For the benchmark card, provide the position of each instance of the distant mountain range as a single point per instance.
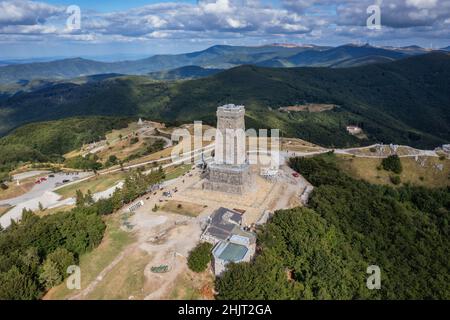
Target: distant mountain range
(405, 101)
(216, 57)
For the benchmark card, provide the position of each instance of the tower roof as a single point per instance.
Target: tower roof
(231, 107)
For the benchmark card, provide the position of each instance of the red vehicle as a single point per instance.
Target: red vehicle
(295, 174)
(38, 181)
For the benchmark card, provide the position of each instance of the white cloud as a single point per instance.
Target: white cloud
(216, 7)
(28, 29)
(422, 4)
(155, 21)
(234, 23)
(23, 12)
(396, 13)
(229, 19)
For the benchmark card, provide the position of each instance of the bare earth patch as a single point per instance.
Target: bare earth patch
(182, 207)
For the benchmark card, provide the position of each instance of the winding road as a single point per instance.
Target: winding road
(44, 193)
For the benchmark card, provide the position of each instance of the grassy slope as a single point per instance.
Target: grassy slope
(95, 184)
(176, 171)
(366, 169)
(125, 281)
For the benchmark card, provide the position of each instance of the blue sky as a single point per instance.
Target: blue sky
(138, 28)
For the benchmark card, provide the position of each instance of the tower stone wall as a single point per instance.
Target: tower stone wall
(230, 135)
(230, 171)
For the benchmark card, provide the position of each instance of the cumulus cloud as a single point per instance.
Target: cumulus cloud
(240, 16)
(422, 4)
(396, 13)
(222, 19)
(24, 12)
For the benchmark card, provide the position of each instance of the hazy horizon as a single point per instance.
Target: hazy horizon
(120, 56)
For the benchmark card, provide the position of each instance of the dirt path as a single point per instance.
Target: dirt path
(126, 252)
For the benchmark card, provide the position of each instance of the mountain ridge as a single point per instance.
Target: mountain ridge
(215, 57)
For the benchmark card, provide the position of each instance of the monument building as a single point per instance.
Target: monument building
(230, 172)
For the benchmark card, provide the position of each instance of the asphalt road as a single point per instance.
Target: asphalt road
(39, 189)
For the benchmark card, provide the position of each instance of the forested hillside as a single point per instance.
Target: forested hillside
(48, 141)
(323, 251)
(187, 72)
(405, 102)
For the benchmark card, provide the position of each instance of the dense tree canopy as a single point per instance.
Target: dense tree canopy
(392, 163)
(34, 253)
(199, 257)
(322, 252)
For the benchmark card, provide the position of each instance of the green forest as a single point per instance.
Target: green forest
(323, 251)
(404, 102)
(35, 253)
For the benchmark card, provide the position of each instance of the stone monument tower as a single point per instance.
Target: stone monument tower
(230, 171)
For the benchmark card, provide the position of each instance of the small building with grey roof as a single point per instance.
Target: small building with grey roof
(221, 225)
(231, 242)
(239, 248)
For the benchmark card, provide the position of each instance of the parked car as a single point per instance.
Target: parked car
(65, 181)
(295, 174)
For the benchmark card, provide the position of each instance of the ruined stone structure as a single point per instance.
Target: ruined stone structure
(230, 171)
